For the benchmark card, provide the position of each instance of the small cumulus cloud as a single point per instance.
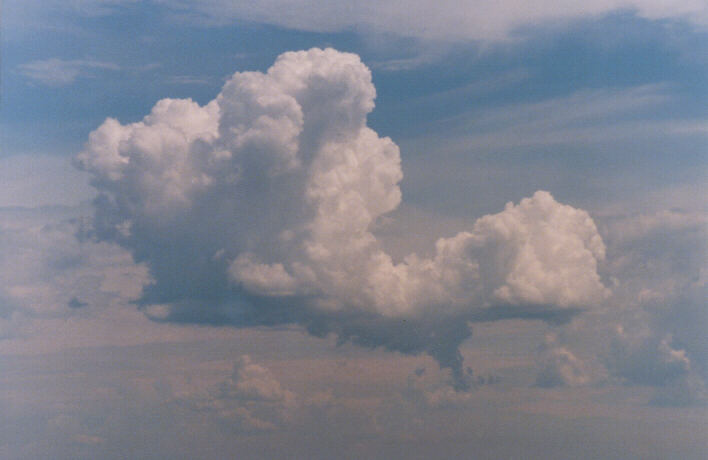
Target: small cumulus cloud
(559, 366)
(250, 400)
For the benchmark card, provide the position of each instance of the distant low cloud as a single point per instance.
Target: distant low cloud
(559, 367)
(59, 72)
(250, 400)
(651, 331)
(48, 272)
(647, 360)
(661, 272)
(258, 208)
(430, 390)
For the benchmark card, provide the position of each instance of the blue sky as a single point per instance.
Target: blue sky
(192, 298)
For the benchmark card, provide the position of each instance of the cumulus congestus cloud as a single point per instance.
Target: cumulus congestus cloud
(257, 209)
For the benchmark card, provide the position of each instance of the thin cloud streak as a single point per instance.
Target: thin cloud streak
(56, 72)
(582, 117)
(484, 20)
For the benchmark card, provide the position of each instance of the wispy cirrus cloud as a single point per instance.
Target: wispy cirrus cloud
(478, 20)
(486, 20)
(59, 72)
(190, 80)
(581, 117)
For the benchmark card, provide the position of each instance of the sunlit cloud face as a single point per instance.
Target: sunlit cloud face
(257, 209)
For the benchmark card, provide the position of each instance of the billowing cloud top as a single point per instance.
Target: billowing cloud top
(258, 208)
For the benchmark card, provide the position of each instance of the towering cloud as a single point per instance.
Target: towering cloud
(258, 208)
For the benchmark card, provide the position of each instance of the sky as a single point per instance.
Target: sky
(326, 229)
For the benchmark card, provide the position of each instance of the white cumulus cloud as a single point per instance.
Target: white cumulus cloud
(258, 208)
